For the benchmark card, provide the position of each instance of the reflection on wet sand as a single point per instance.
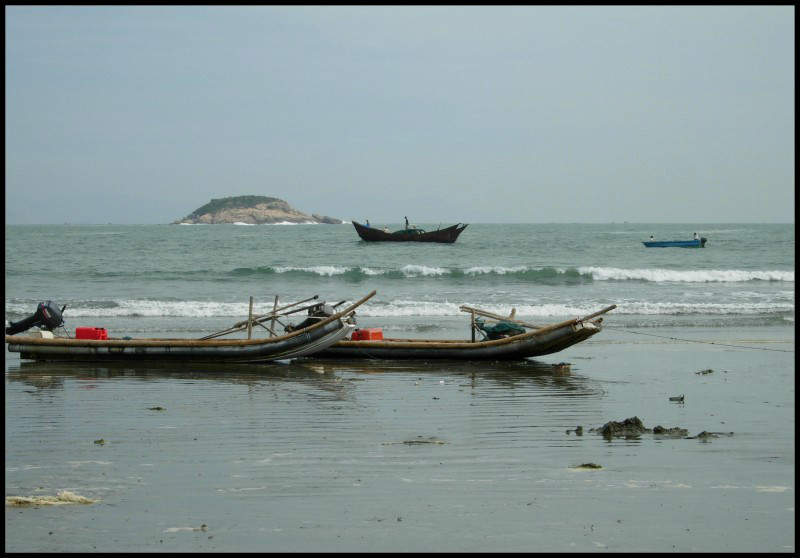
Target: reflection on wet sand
(323, 374)
(51, 375)
(501, 373)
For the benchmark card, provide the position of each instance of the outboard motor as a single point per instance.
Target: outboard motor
(315, 313)
(47, 316)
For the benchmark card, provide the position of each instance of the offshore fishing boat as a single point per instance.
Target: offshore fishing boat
(409, 234)
(695, 243)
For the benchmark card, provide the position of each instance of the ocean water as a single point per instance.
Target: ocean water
(316, 455)
(186, 280)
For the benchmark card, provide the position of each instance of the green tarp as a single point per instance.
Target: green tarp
(500, 329)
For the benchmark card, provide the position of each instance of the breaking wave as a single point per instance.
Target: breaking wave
(531, 274)
(692, 276)
(522, 274)
(403, 308)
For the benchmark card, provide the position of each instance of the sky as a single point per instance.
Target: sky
(474, 114)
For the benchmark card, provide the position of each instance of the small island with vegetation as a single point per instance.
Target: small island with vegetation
(252, 210)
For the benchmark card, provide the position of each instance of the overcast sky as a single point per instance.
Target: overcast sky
(141, 114)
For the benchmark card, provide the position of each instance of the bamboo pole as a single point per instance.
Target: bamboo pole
(486, 314)
(272, 333)
(260, 317)
(603, 311)
(280, 312)
(274, 308)
(250, 320)
(472, 326)
(513, 312)
(241, 325)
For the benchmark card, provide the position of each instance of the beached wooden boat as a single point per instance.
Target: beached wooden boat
(409, 234)
(318, 331)
(540, 340)
(699, 243)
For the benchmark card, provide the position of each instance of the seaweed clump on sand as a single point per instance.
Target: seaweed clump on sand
(633, 428)
(629, 428)
(588, 466)
(705, 436)
(670, 432)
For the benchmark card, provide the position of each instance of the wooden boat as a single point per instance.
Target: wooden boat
(699, 243)
(372, 234)
(322, 328)
(541, 340)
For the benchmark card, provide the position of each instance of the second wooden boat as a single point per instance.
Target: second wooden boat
(541, 340)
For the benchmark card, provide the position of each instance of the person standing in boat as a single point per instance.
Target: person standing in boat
(696, 237)
(406, 223)
(368, 222)
(651, 238)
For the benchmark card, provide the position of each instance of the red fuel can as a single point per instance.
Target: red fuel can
(367, 334)
(91, 333)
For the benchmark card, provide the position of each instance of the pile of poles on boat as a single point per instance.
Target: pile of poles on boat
(273, 317)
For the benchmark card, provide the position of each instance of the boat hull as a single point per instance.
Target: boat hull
(176, 350)
(676, 243)
(448, 235)
(521, 346)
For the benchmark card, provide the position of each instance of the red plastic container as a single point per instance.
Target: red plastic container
(91, 333)
(367, 334)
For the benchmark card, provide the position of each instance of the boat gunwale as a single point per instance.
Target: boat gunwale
(459, 343)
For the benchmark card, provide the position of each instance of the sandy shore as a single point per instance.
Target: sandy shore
(338, 456)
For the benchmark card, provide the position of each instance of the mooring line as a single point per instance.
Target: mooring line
(695, 341)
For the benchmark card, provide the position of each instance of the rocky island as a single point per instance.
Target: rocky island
(253, 210)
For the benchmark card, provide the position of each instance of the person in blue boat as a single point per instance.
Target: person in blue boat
(368, 222)
(696, 237)
(651, 238)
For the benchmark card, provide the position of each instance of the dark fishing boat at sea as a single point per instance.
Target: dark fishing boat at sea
(409, 234)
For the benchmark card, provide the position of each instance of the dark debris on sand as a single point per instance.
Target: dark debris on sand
(633, 428)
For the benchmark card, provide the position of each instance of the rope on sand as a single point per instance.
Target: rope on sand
(695, 341)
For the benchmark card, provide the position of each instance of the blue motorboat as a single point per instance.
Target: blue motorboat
(698, 243)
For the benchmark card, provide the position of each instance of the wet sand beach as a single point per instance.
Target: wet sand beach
(316, 455)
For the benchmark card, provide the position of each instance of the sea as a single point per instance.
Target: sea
(381, 456)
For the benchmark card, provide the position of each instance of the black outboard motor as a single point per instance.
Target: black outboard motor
(315, 314)
(47, 316)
